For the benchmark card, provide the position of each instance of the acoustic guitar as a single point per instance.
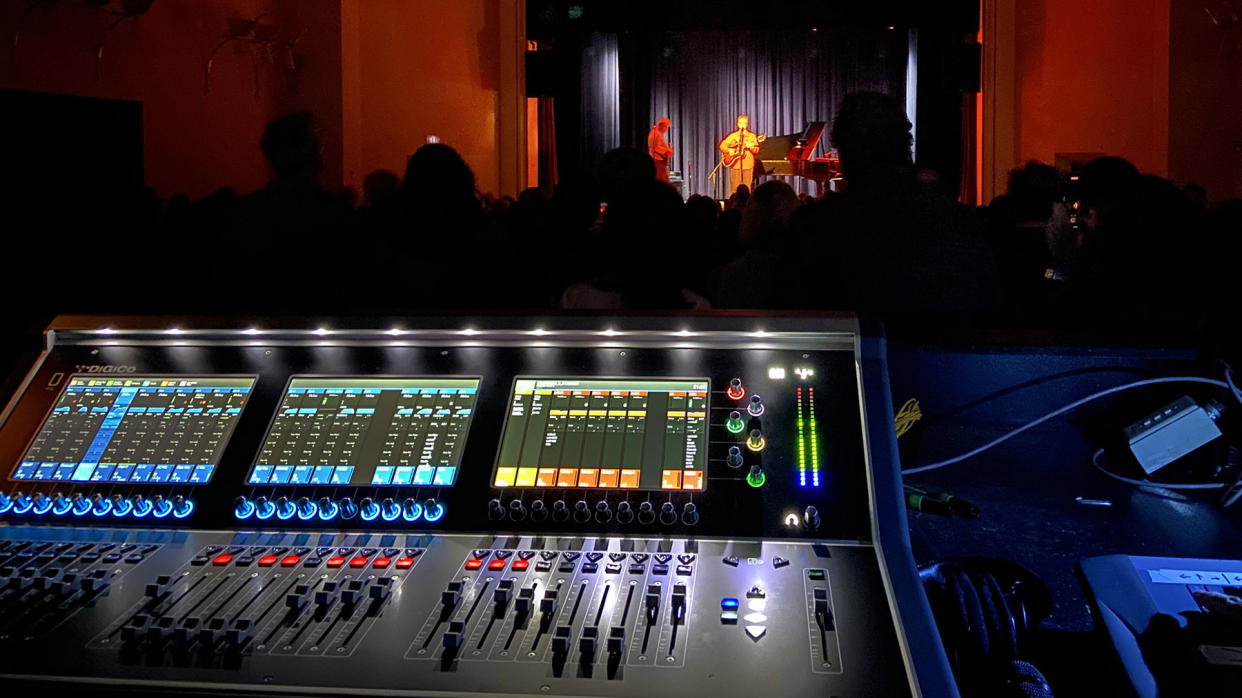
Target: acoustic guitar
(733, 158)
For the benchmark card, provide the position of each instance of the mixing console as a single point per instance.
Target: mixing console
(659, 506)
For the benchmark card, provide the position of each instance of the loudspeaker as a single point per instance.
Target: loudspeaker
(541, 73)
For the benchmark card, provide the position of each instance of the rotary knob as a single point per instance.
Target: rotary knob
(646, 513)
(734, 459)
(367, 509)
(668, 514)
(603, 512)
(625, 513)
(389, 509)
(517, 510)
(242, 507)
(264, 508)
(689, 514)
(810, 517)
(495, 510)
(538, 511)
(582, 511)
(560, 511)
(349, 510)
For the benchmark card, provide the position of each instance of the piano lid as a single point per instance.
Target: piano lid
(786, 147)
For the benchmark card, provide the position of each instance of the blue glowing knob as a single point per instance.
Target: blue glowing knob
(432, 510)
(182, 507)
(41, 503)
(6, 503)
(285, 508)
(348, 509)
(142, 505)
(81, 505)
(411, 510)
(370, 510)
(160, 507)
(21, 503)
(328, 509)
(102, 506)
(243, 508)
(61, 504)
(306, 509)
(734, 459)
(263, 508)
(389, 509)
(121, 506)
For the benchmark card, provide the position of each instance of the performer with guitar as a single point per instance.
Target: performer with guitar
(739, 149)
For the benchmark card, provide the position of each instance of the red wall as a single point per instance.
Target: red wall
(418, 69)
(1093, 76)
(195, 141)
(1205, 102)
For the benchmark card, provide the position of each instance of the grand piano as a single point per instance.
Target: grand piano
(793, 155)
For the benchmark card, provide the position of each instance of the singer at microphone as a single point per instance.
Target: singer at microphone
(739, 149)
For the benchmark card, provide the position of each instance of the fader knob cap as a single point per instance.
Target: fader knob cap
(734, 459)
(495, 510)
(646, 514)
(582, 511)
(264, 507)
(432, 510)
(668, 515)
(689, 514)
(517, 510)
(625, 513)
(367, 509)
(538, 512)
(560, 511)
(285, 508)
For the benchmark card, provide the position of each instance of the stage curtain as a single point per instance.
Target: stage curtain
(703, 80)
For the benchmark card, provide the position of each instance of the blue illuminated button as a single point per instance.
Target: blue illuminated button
(264, 508)
(411, 510)
(81, 505)
(142, 506)
(182, 507)
(21, 503)
(306, 509)
(369, 509)
(285, 508)
(389, 509)
(728, 604)
(328, 509)
(433, 511)
(243, 508)
(6, 503)
(41, 503)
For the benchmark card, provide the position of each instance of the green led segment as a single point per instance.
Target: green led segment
(801, 443)
(814, 442)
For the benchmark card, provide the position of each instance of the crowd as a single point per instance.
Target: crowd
(1110, 249)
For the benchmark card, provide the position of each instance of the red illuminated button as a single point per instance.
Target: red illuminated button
(474, 564)
(735, 390)
(290, 561)
(496, 565)
(358, 562)
(380, 563)
(405, 563)
(267, 561)
(520, 565)
(222, 559)
(336, 561)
